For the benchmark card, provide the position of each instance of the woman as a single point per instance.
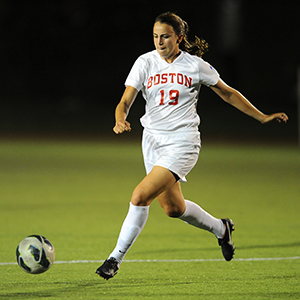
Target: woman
(170, 78)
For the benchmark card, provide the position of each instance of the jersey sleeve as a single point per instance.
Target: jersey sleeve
(208, 75)
(136, 76)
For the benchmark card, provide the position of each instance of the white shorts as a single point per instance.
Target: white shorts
(175, 151)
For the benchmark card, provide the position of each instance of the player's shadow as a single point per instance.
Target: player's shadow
(238, 247)
(286, 245)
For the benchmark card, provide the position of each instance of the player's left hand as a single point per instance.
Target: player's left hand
(279, 117)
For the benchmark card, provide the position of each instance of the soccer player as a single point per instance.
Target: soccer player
(170, 78)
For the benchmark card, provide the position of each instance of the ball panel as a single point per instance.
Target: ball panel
(46, 241)
(24, 266)
(37, 237)
(35, 252)
(44, 262)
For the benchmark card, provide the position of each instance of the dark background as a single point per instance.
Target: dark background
(64, 63)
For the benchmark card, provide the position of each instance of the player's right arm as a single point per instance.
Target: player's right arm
(123, 108)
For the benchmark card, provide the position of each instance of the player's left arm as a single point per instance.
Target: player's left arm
(236, 99)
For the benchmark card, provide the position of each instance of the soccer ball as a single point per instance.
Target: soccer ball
(35, 254)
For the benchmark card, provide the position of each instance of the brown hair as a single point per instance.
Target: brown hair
(198, 47)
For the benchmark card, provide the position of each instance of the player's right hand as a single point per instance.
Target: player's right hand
(122, 126)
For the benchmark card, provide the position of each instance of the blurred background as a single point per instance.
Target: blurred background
(64, 63)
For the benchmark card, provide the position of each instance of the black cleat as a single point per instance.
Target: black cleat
(108, 269)
(226, 242)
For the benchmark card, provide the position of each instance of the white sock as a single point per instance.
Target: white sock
(196, 216)
(132, 226)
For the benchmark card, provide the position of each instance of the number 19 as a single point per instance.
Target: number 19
(173, 96)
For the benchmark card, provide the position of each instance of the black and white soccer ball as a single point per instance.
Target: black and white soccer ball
(35, 254)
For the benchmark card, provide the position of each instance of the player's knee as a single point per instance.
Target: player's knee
(139, 198)
(173, 211)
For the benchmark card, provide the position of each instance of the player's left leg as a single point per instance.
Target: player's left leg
(174, 204)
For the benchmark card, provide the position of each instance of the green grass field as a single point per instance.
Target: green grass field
(77, 194)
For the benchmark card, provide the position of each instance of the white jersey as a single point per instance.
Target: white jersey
(170, 90)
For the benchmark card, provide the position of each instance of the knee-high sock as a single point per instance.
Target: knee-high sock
(132, 226)
(198, 217)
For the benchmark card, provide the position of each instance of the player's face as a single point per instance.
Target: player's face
(166, 41)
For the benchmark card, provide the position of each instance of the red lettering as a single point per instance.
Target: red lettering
(156, 79)
(162, 93)
(172, 76)
(149, 84)
(188, 81)
(174, 95)
(179, 78)
(164, 78)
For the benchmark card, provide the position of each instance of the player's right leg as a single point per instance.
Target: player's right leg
(150, 187)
